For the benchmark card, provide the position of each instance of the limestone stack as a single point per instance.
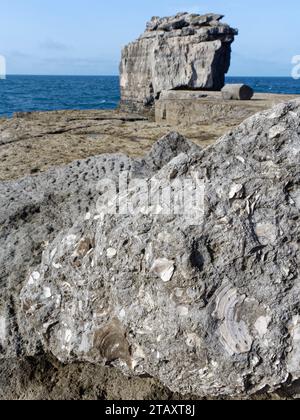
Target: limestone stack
(186, 51)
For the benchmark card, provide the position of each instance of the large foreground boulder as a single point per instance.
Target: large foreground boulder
(34, 210)
(183, 51)
(206, 298)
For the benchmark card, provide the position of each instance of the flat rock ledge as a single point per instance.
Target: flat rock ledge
(207, 302)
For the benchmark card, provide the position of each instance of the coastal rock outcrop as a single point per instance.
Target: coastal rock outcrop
(183, 51)
(35, 209)
(207, 300)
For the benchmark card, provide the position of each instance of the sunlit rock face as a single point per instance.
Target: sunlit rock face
(35, 209)
(209, 305)
(185, 51)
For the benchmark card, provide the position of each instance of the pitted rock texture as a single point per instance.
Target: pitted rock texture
(35, 209)
(210, 308)
(183, 51)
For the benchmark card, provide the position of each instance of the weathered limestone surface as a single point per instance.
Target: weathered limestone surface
(183, 51)
(187, 108)
(34, 210)
(31, 143)
(208, 308)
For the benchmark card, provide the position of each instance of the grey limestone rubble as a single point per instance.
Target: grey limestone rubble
(186, 51)
(209, 307)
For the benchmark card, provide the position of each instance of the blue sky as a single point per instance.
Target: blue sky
(86, 36)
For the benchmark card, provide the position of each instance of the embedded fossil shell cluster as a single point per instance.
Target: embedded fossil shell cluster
(211, 308)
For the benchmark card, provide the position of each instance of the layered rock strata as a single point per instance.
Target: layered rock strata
(183, 51)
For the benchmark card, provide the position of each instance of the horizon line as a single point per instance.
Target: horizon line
(117, 75)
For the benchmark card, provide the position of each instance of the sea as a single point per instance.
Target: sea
(49, 93)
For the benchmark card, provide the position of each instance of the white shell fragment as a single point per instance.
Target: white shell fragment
(111, 253)
(56, 265)
(234, 333)
(2, 329)
(34, 278)
(236, 191)
(164, 269)
(87, 217)
(262, 325)
(47, 292)
(267, 233)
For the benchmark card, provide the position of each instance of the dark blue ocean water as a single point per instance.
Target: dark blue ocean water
(47, 93)
(285, 85)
